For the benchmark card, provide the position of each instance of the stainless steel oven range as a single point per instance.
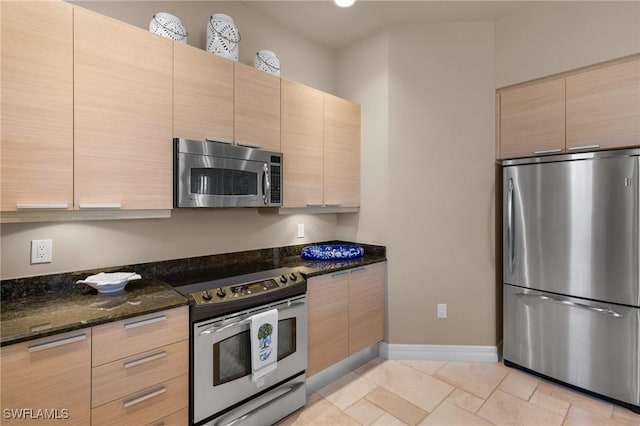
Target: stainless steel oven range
(223, 390)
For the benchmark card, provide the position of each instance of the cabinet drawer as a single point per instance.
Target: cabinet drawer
(128, 337)
(118, 378)
(53, 374)
(137, 408)
(179, 418)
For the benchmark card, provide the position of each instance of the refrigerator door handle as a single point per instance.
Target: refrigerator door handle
(565, 301)
(510, 228)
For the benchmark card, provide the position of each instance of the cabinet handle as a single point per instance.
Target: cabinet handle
(140, 323)
(100, 206)
(337, 274)
(580, 148)
(548, 151)
(332, 204)
(59, 342)
(360, 269)
(248, 145)
(218, 140)
(144, 360)
(137, 400)
(314, 204)
(60, 206)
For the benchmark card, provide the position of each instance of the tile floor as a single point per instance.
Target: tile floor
(389, 393)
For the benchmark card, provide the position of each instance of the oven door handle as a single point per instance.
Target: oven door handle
(224, 327)
(256, 410)
(290, 305)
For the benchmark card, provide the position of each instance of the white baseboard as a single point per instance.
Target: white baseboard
(439, 352)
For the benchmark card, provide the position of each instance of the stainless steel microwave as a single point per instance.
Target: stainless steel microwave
(217, 174)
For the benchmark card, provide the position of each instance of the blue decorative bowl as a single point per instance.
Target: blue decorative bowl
(332, 252)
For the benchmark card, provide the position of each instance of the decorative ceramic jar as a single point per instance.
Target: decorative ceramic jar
(223, 36)
(267, 61)
(169, 26)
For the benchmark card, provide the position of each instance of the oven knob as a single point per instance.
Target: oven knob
(293, 277)
(206, 295)
(283, 279)
(221, 292)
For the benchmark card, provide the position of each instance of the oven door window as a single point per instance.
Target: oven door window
(223, 181)
(232, 356)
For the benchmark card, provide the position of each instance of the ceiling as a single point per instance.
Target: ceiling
(327, 24)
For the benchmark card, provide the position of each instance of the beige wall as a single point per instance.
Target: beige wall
(188, 233)
(552, 37)
(301, 60)
(441, 180)
(363, 76)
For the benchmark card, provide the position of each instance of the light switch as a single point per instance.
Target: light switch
(300, 230)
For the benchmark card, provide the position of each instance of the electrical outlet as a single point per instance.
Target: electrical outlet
(300, 233)
(41, 251)
(442, 310)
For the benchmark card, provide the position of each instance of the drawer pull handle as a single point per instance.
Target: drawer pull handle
(100, 206)
(60, 206)
(146, 359)
(332, 204)
(137, 400)
(580, 148)
(548, 151)
(362, 268)
(59, 342)
(337, 274)
(140, 323)
(314, 204)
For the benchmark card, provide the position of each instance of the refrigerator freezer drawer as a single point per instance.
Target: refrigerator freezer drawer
(573, 227)
(591, 345)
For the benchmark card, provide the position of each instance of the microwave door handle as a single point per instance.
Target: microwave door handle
(266, 185)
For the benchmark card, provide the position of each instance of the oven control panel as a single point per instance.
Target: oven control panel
(246, 290)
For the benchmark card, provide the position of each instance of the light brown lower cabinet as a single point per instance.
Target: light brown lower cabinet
(142, 407)
(346, 314)
(140, 369)
(47, 381)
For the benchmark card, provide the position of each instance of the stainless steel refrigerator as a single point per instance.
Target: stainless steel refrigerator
(571, 256)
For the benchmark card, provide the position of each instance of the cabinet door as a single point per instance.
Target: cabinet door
(603, 107)
(341, 152)
(256, 108)
(532, 119)
(302, 145)
(52, 374)
(123, 115)
(328, 325)
(37, 104)
(366, 306)
(202, 95)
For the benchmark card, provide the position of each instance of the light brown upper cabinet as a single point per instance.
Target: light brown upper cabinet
(532, 119)
(341, 152)
(123, 115)
(37, 105)
(202, 95)
(603, 107)
(302, 145)
(256, 103)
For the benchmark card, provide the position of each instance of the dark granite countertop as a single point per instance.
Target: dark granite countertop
(35, 307)
(81, 306)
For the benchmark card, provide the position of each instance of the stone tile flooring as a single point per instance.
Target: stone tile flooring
(388, 393)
